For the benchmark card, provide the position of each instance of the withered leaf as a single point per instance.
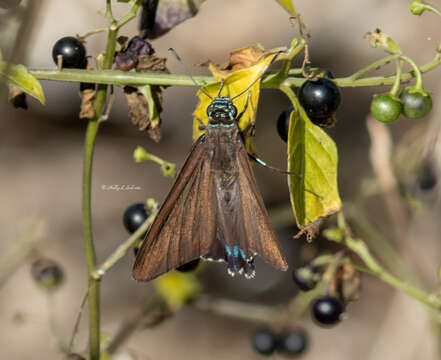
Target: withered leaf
(348, 282)
(86, 110)
(144, 108)
(167, 14)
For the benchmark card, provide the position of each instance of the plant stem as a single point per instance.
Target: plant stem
(373, 66)
(396, 87)
(416, 71)
(122, 78)
(360, 248)
(89, 146)
(121, 250)
(130, 15)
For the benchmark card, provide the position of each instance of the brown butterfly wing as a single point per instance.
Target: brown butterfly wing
(257, 233)
(184, 228)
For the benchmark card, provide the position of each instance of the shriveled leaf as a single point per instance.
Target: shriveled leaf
(169, 13)
(287, 5)
(312, 154)
(86, 110)
(144, 107)
(383, 41)
(19, 76)
(153, 94)
(245, 66)
(177, 288)
(349, 282)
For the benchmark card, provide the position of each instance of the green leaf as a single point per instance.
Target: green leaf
(19, 76)
(288, 6)
(313, 155)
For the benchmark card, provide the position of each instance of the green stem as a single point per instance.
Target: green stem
(121, 250)
(122, 78)
(372, 66)
(360, 248)
(417, 72)
(130, 15)
(396, 87)
(432, 9)
(89, 146)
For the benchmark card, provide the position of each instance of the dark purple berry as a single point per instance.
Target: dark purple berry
(47, 274)
(320, 98)
(134, 217)
(283, 124)
(327, 310)
(293, 342)
(264, 342)
(304, 278)
(73, 52)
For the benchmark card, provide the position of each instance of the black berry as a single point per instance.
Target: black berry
(415, 104)
(264, 342)
(304, 278)
(327, 310)
(73, 52)
(134, 217)
(293, 342)
(190, 266)
(320, 98)
(283, 124)
(427, 178)
(47, 274)
(385, 109)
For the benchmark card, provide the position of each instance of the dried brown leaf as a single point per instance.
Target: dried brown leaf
(86, 110)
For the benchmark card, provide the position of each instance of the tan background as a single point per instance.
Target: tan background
(41, 159)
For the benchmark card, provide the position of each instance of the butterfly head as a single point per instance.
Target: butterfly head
(222, 111)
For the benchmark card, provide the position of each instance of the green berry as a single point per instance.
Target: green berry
(416, 103)
(385, 109)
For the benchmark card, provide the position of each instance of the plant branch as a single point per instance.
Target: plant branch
(131, 14)
(360, 248)
(373, 66)
(122, 78)
(89, 146)
(122, 249)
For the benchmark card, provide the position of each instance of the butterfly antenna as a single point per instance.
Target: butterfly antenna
(187, 71)
(221, 87)
(261, 75)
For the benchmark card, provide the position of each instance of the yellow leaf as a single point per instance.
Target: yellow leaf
(245, 66)
(19, 76)
(288, 6)
(313, 155)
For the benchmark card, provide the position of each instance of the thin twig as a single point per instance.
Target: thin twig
(77, 323)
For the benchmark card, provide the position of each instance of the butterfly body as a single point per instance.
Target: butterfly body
(214, 210)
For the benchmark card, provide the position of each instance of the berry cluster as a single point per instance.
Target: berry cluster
(412, 103)
(292, 343)
(319, 98)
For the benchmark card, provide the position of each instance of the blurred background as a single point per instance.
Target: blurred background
(41, 162)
